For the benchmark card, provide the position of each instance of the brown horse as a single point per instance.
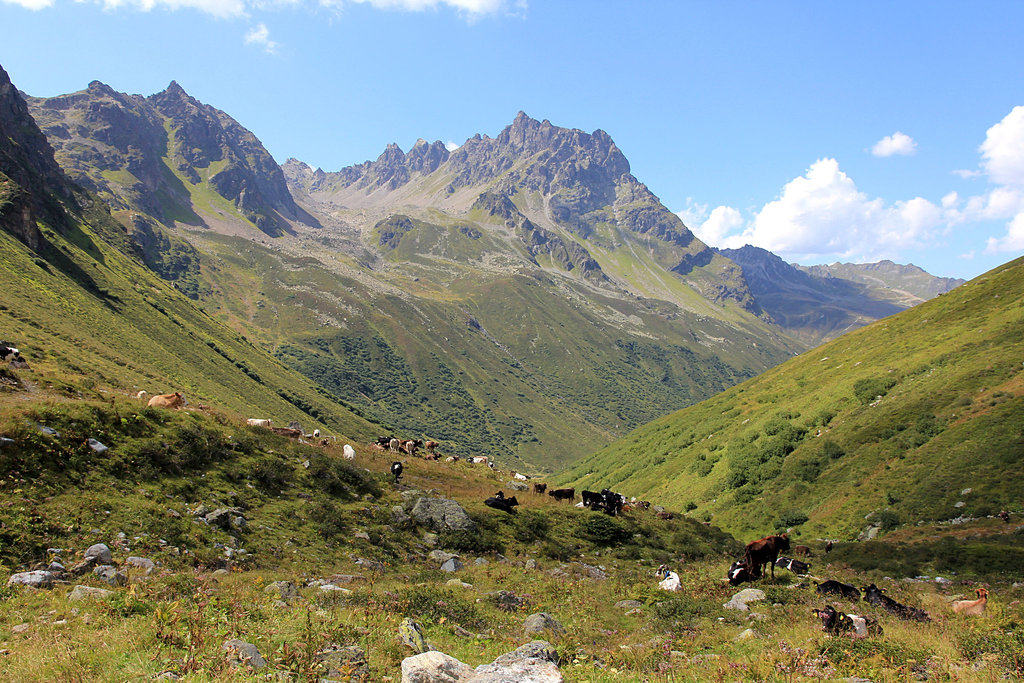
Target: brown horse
(764, 551)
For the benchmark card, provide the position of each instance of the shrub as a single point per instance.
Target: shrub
(791, 518)
(681, 610)
(867, 390)
(328, 519)
(432, 604)
(887, 520)
(531, 525)
(830, 449)
(338, 478)
(602, 530)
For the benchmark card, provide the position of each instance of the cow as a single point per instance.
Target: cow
(592, 500)
(7, 350)
(874, 595)
(828, 547)
(499, 502)
(1004, 515)
(350, 453)
(540, 488)
(972, 607)
(563, 494)
(802, 550)
(409, 446)
(394, 444)
(175, 400)
(795, 566)
(431, 446)
(835, 622)
(738, 573)
(258, 422)
(612, 501)
(396, 470)
(142, 394)
(384, 441)
(836, 588)
(670, 579)
(519, 476)
(764, 551)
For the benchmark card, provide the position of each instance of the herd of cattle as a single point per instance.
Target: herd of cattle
(758, 555)
(765, 552)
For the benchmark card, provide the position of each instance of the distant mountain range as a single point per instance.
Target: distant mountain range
(497, 298)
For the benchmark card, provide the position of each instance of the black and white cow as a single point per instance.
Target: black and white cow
(795, 566)
(874, 595)
(396, 470)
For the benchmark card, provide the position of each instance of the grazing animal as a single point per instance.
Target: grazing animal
(835, 622)
(175, 400)
(384, 441)
(452, 458)
(828, 547)
(612, 501)
(664, 514)
(316, 433)
(1004, 515)
(258, 422)
(972, 607)
(592, 500)
(795, 566)
(874, 595)
(409, 446)
(520, 477)
(764, 551)
(670, 580)
(6, 350)
(540, 488)
(394, 444)
(142, 394)
(396, 470)
(430, 446)
(563, 494)
(349, 452)
(836, 588)
(499, 502)
(801, 550)
(738, 573)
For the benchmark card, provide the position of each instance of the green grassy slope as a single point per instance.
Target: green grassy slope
(810, 444)
(105, 322)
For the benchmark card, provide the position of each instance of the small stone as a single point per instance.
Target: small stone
(452, 565)
(241, 653)
(746, 635)
(411, 636)
(456, 583)
(97, 446)
(88, 592)
(628, 604)
(145, 564)
(543, 623)
(19, 628)
(740, 600)
(99, 553)
(285, 590)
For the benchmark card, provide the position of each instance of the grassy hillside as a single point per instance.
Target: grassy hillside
(311, 518)
(917, 417)
(100, 323)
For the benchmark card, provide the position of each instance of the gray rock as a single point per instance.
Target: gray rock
(456, 583)
(507, 601)
(348, 578)
(99, 554)
(97, 446)
(531, 564)
(442, 514)
(535, 649)
(746, 635)
(39, 578)
(740, 600)
(220, 518)
(88, 592)
(242, 654)
(56, 567)
(535, 662)
(399, 517)
(543, 623)
(411, 636)
(452, 565)
(480, 561)
(200, 511)
(144, 563)
(440, 556)
(343, 664)
(628, 604)
(435, 667)
(284, 590)
(109, 574)
(371, 565)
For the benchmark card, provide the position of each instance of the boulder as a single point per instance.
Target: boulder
(284, 590)
(88, 592)
(435, 667)
(143, 563)
(109, 574)
(442, 514)
(535, 662)
(411, 636)
(740, 600)
(39, 578)
(543, 623)
(440, 556)
(99, 554)
(452, 565)
(343, 665)
(242, 654)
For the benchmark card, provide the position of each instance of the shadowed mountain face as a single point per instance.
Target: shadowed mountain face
(819, 303)
(150, 154)
(523, 296)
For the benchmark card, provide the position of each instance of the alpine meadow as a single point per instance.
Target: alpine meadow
(475, 413)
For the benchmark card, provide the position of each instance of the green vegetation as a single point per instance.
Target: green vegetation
(918, 417)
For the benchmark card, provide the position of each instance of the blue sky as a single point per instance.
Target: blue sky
(822, 131)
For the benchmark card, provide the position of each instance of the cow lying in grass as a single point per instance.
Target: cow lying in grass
(874, 595)
(835, 622)
(837, 588)
(499, 502)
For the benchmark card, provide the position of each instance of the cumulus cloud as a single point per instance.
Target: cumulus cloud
(822, 215)
(240, 8)
(1003, 150)
(897, 143)
(260, 36)
(217, 8)
(451, 145)
(1002, 160)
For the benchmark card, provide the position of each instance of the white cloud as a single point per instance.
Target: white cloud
(260, 35)
(451, 145)
(473, 7)
(218, 8)
(722, 221)
(1003, 150)
(694, 214)
(1012, 241)
(897, 143)
(31, 4)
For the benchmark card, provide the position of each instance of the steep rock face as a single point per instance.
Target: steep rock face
(903, 281)
(125, 147)
(32, 185)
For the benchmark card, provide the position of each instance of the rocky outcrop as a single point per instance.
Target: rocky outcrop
(535, 662)
(442, 514)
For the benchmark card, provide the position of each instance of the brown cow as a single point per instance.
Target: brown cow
(764, 551)
(563, 494)
(540, 488)
(175, 400)
(802, 550)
